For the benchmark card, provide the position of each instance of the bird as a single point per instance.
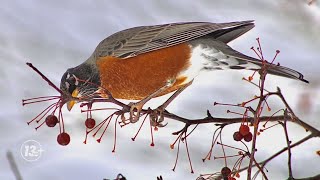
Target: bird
(145, 62)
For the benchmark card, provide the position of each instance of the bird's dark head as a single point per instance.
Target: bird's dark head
(79, 84)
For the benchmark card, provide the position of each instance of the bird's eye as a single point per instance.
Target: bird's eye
(71, 82)
(71, 88)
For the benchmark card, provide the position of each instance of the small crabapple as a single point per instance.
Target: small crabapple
(225, 171)
(237, 136)
(248, 137)
(63, 139)
(51, 120)
(90, 123)
(244, 129)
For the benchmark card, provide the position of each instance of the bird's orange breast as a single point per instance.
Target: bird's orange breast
(137, 77)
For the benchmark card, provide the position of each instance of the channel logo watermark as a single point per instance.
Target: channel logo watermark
(31, 150)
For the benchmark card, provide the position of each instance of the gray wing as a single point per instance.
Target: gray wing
(134, 41)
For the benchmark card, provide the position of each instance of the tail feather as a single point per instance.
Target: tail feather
(284, 72)
(248, 62)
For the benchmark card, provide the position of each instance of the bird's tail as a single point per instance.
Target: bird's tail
(280, 71)
(236, 60)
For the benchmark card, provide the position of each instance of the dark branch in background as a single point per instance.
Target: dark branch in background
(119, 177)
(311, 2)
(13, 166)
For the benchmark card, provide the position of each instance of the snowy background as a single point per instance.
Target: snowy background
(56, 35)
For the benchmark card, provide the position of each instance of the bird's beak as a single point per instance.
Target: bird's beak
(71, 103)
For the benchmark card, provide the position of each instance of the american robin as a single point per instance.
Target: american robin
(144, 62)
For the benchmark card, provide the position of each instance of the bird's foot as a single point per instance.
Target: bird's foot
(135, 110)
(156, 117)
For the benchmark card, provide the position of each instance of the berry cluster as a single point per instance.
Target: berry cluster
(63, 138)
(243, 133)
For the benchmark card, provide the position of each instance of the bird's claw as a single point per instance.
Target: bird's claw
(135, 109)
(157, 118)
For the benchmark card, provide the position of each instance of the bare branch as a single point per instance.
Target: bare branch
(284, 125)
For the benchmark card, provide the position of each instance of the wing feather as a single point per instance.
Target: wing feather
(132, 42)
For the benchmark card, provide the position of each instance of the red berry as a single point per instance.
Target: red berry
(248, 137)
(90, 123)
(172, 146)
(237, 175)
(225, 171)
(51, 120)
(244, 129)
(231, 178)
(63, 139)
(237, 136)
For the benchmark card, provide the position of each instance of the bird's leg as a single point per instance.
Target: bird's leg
(137, 106)
(160, 118)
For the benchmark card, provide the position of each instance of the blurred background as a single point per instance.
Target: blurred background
(56, 35)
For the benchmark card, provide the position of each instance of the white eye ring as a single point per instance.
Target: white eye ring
(68, 76)
(75, 77)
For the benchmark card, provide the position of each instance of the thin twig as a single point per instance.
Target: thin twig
(284, 125)
(260, 169)
(45, 78)
(266, 161)
(256, 124)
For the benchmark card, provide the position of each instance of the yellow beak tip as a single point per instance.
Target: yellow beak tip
(70, 104)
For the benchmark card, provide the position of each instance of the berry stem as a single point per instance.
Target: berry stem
(275, 56)
(46, 109)
(61, 123)
(151, 133)
(99, 126)
(214, 140)
(40, 125)
(45, 113)
(177, 156)
(260, 48)
(229, 146)
(178, 138)
(42, 99)
(256, 52)
(185, 134)
(223, 151)
(191, 130)
(115, 135)
(108, 119)
(135, 136)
